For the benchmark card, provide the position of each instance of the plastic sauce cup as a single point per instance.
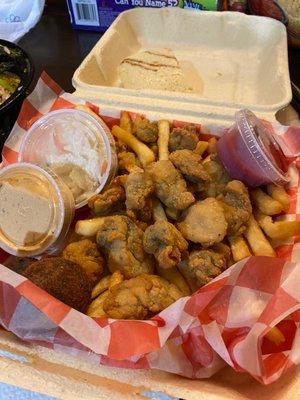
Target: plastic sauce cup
(250, 153)
(77, 147)
(36, 211)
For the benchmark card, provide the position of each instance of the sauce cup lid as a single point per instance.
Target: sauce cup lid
(263, 147)
(76, 146)
(32, 210)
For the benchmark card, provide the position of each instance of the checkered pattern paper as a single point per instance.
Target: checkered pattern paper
(225, 322)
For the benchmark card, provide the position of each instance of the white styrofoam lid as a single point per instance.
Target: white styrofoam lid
(235, 61)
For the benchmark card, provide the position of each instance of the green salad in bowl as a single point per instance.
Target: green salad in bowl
(16, 73)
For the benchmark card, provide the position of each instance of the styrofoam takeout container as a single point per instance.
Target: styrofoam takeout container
(232, 60)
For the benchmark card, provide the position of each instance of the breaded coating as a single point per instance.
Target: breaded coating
(189, 164)
(121, 147)
(145, 130)
(204, 222)
(127, 161)
(202, 266)
(170, 187)
(165, 242)
(237, 206)
(122, 242)
(138, 189)
(108, 201)
(141, 297)
(223, 249)
(218, 178)
(183, 138)
(154, 148)
(86, 254)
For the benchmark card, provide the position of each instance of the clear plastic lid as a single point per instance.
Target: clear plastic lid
(74, 145)
(262, 146)
(36, 209)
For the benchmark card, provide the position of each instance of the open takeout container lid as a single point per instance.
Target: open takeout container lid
(234, 61)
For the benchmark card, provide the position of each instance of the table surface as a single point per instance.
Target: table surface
(60, 58)
(67, 50)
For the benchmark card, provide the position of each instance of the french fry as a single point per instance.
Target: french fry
(163, 139)
(81, 107)
(265, 203)
(115, 278)
(96, 307)
(125, 122)
(239, 248)
(89, 227)
(259, 244)
(275, 336)
(101, 286)
(212, 145)
(275, 243)
(145, 155)
(172, 213)
(278, 230)
(278, 193)
(201, 147)
(206, 159)
(172, 275)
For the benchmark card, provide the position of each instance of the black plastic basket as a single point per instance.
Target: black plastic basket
(9, 110)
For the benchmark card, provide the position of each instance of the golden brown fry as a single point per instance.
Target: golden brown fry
(82, 107)
(127, 161)
(206, 159)
(278, 230)
(278, 193)
(89, 227)
(145, 155)
(101, 286)
(125, 122)
(107, 283)
(172, 213)
(172, 275)
(212, 145)
(259, 244)
(266, 204)
(201, 147)
(275, 243)
(275, 336)
(163, 139)
(96, 307)
(115, 278)
(239, 248)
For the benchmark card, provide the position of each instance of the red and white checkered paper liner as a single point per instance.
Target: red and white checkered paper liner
(225, 322)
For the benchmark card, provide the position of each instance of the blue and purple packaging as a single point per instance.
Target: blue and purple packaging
(97, 15)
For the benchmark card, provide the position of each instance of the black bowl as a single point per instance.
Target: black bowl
(10, 109)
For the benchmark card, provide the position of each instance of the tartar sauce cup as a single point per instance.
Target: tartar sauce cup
(250, 153)
(76, 146)
(36, 210)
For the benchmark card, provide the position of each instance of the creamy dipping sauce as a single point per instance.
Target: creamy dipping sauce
(36, 210)
(25, 216)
